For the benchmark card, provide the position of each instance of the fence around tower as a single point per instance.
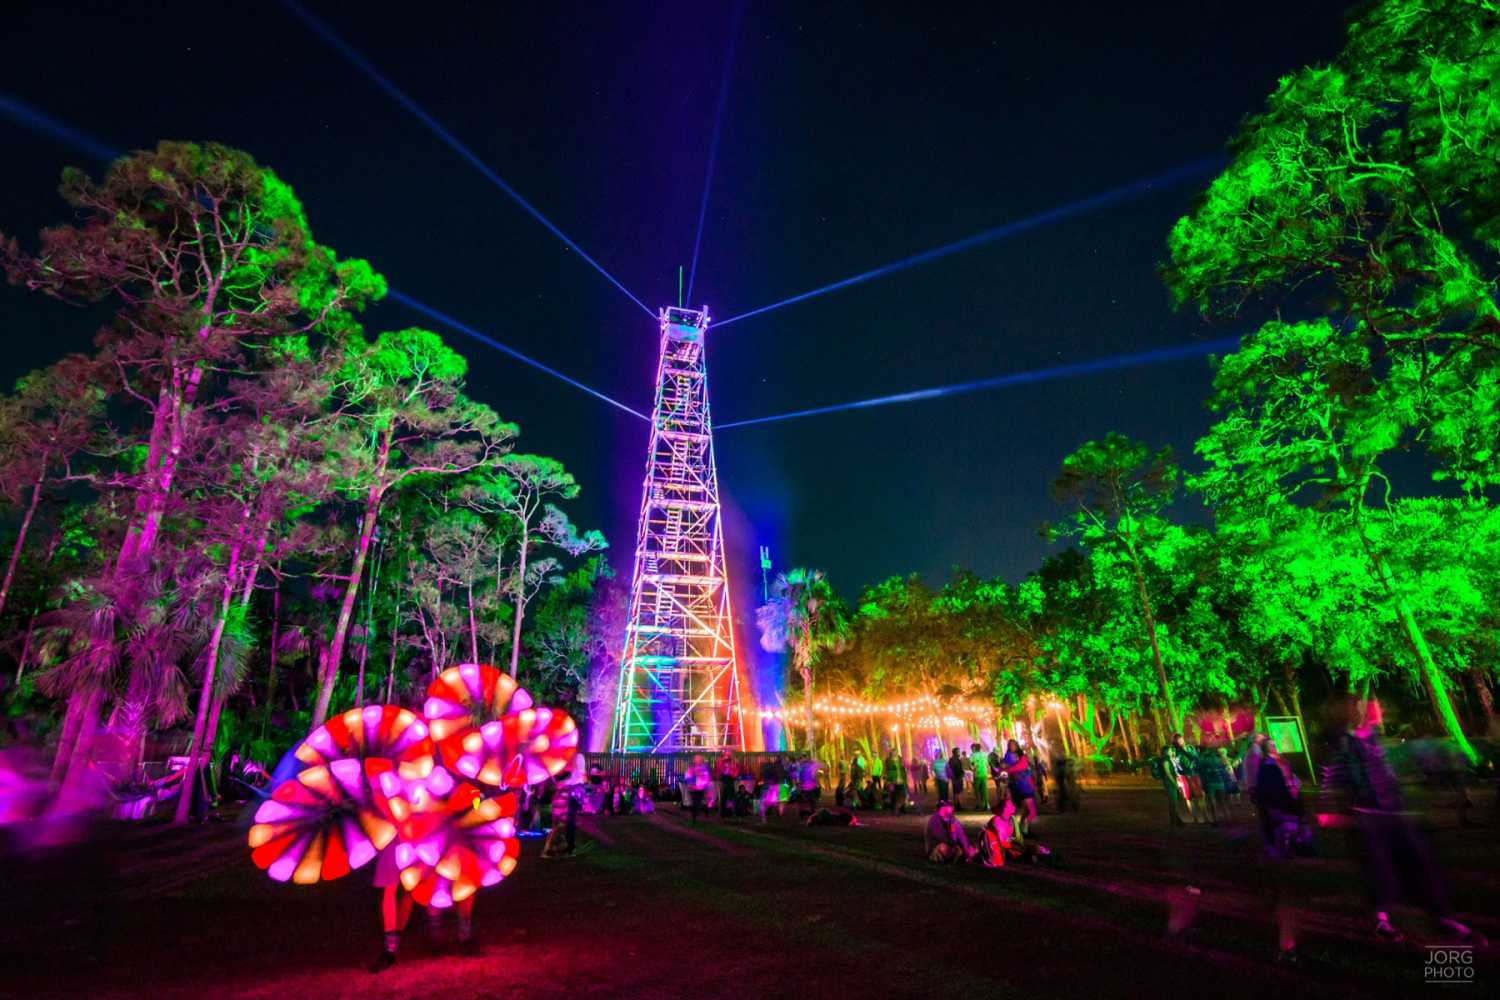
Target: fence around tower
(670, 768)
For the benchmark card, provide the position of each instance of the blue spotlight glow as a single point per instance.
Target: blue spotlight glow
(449, 321)
(1161, 356)
(713, 145)
(25, 115)
(1135, 189)
(344, 49)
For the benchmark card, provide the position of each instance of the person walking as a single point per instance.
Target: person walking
(1022, 790)
(1395, 858)
(956, 776)
(1185, 765)
(981, 765)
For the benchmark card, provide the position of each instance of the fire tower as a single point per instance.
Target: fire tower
(679, 687)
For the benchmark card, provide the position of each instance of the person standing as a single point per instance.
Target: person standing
(981, 766)
(807, 783)
(858, 769)
(940, 776)
(956, 776)
(698, 781)
(895, 783)
(1185, 767)
(729, 773)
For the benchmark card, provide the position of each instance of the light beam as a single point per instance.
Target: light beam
(1140, 360)
(351, 54)
(26, 116)
(39, 121)
(464, 328)
(1083, 206)
(713, 145)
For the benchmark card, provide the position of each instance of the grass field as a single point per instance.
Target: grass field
(656, 907)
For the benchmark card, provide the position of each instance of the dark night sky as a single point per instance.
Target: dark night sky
(853, 135)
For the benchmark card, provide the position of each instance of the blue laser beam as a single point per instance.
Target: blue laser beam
(39, 121)
(1072, 209)
(351, 54)
(464, 328)
(27, 116)
(1144, 358)
(713, 145)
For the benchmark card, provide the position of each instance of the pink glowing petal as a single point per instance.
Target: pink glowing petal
(491, 876)
(468, 765)
(470, 673)
(441, 899)
(430, 851)
(281, 869)
(390, 784)
(505, 828)
(520, 700)
(405, 855)
(441, 782)
(271, 811)
(320, 741)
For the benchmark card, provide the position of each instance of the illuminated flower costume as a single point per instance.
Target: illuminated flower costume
(428, 797)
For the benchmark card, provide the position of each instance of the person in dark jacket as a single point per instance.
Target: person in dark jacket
(1395, 858)
(956, 775)
(1022, 790)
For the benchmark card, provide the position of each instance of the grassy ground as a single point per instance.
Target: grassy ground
(656, 907)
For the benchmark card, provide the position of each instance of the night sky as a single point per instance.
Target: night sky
(852, 136)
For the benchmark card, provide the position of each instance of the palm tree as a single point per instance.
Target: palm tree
(807, 617)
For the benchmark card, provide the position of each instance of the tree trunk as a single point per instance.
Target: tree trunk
(807, 706)
(206, 695)
(390, 670)
(359, 684)
(515, 634)
(15, 552)
(1150, 619)
(1482, 692)
(330, 670)
(473, 629)
(275, 652)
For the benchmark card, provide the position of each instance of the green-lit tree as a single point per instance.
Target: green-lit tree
(1117, 489)
(408, 420)
(1366, 189)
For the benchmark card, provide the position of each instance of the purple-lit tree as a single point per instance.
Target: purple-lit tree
(43, 425)
(207, 256)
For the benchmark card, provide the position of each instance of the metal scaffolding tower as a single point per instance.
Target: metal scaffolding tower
(679, 684)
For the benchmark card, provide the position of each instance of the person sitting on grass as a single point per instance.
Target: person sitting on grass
(833, 817)
(1003, 840)
(944, 839)
(868, 797)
